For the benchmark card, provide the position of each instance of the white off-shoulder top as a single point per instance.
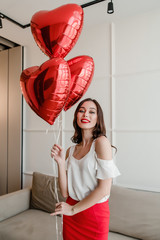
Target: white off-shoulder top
(83, 174)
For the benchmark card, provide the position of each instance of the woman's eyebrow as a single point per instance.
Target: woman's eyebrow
(89, 108)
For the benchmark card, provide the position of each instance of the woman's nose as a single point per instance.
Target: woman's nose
(85, 114)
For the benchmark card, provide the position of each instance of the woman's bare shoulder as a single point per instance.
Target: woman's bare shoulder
(102, 141)
(103, 148)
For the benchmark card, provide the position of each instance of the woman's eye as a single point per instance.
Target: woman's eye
(81, 111)
(92, 112)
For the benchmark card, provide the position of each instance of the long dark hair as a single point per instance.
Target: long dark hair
(99, 129)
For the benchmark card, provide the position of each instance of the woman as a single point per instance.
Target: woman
(88, 180)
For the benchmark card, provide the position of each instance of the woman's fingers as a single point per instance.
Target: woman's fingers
(58, 204)
(63, 208)
(59, 147)
(54, 148)
(58, 209)
(54, 151)
(56, 213)
(57, 152)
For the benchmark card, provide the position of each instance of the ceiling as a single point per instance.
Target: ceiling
(22, 11)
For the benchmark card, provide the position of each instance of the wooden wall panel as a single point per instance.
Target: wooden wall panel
(14, 120)
(10, 120)
(3, 120)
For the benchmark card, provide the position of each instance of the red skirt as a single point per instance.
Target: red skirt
(90, 224)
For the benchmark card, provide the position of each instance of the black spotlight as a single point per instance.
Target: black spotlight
(110, 9)
(1, 22)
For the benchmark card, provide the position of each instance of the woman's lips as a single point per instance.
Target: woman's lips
(85, 121)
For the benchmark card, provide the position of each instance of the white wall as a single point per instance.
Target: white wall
(137, 98)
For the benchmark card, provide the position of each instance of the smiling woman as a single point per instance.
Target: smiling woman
(87, 183)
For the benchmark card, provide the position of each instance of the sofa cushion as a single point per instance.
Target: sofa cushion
(135, 213)
(117, 236)
(44, 195)
(30, 225)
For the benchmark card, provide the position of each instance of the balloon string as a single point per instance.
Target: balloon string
(55, 171)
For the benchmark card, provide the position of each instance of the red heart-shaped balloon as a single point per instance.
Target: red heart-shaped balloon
(82, 69)
(57, 31)
(46, 88)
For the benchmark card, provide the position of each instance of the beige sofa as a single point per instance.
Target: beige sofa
(24, 215)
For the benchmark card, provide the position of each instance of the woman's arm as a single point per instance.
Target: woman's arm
(103, 150)
(95, 196)
(58, 153)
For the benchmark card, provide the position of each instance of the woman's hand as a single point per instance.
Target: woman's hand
(58, 153)
(63, 208)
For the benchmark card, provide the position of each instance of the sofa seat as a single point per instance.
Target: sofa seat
(117, 236)
(28, 226)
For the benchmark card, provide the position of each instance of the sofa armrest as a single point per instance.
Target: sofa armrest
(14, 203)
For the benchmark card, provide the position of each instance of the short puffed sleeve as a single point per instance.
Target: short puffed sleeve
(106, 169)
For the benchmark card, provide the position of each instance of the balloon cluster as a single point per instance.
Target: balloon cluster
(56, 84)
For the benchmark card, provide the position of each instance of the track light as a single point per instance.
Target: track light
(110, 9)
(11, 20)
(1, 22)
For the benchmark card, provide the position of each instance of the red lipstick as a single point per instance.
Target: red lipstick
(84, 120)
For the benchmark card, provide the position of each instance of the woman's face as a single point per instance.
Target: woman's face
(87, 115)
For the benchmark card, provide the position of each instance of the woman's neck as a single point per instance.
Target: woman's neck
(87, 137)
